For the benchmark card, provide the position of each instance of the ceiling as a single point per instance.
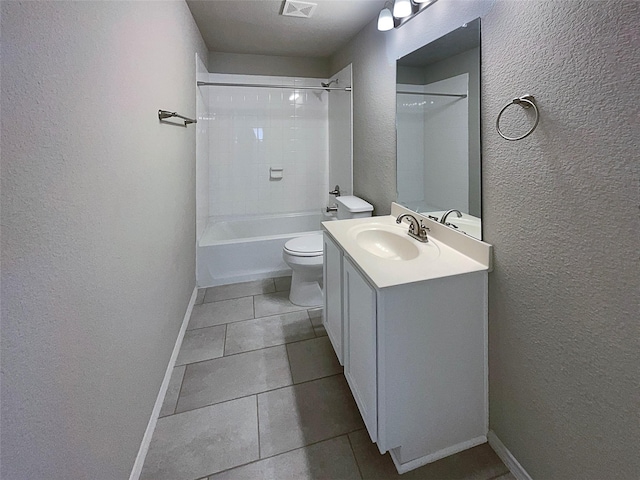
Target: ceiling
(256, 26)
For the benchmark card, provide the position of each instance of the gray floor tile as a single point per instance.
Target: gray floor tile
(171, 397)
(312, 359)
(478, 463)
(315, 314)
(200, 296)
(274, 304)
(303, 414)
(283, 284)
(332, 459)
(202, 344)
(202, 442)
(217, 313)
(237, 290)
(224, 378)
(267, 332)
(506, 476)
(320, 331)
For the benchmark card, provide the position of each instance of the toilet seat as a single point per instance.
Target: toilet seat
(305, 246)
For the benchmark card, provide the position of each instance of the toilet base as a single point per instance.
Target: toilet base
(305, 293)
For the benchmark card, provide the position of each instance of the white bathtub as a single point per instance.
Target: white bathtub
(244, 248)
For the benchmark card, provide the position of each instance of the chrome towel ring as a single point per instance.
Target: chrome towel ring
(526, 101)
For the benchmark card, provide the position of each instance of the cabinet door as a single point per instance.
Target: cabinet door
(332, 283)
(359, 302)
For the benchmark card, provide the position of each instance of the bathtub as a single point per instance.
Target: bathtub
(244, 248)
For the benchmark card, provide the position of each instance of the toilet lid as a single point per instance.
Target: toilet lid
(305, 246)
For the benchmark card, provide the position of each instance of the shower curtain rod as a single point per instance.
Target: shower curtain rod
(460, 95)
(258, 85)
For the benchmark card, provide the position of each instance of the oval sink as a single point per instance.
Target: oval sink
(386, 244)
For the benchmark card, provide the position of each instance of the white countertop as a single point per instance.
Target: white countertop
(436, 259)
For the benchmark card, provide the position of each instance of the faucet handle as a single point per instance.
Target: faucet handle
(423, 231)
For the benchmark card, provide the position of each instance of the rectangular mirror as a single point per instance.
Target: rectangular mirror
(438, 129)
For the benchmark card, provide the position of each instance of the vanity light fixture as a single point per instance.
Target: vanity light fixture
(385, 19)
(402, 8)
(403, 11)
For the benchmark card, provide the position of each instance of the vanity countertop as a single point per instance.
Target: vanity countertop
(447, 252)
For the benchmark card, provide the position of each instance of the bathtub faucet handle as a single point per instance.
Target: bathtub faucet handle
(335, 191)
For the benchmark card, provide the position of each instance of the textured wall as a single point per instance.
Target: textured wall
(561, 209)
(98, 227)
(245, 64)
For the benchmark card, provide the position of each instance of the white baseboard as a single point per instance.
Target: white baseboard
(507, 457)
(151, 426)
(419, 462)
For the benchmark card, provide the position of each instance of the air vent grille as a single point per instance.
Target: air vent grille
(298, 9)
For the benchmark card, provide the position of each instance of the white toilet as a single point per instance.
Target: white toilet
(305, 255)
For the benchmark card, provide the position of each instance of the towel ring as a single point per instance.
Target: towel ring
(526, 101)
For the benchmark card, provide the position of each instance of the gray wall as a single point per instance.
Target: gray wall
(98, 227)
(560, 208)
(247, 64)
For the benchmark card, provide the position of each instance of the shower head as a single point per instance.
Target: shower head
(325, 85)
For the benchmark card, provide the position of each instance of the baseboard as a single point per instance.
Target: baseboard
(146, 439)
(507, 457)
(419, 462)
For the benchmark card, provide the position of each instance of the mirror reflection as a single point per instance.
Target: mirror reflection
(438, 129)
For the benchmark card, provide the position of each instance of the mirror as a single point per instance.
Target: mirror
(438, 129)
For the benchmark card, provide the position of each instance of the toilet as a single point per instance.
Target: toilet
(304, 255)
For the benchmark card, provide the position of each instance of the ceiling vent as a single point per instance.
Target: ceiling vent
(293, 8)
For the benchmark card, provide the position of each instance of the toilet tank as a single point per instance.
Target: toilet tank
(350, 206)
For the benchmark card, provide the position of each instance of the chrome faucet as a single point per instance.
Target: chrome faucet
(446, 214)
(336, 191)
(416, 229)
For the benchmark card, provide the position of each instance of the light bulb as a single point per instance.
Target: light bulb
(385, 20)
(402, 8)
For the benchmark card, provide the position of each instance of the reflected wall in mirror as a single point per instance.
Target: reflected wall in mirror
(438, 129)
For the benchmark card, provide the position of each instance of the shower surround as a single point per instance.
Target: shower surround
(254, 129)
(267, 157)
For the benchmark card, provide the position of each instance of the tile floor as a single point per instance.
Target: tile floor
(258, 393)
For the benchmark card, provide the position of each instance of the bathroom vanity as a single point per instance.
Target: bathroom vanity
(408, 320)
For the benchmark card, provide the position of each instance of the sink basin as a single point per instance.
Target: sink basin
(391, 242)
(386, 244)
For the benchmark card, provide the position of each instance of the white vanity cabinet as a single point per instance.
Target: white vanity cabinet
(360, 352)
(414, 355)
(332, 284)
